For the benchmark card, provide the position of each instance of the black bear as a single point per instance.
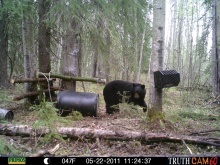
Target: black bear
(116, 90)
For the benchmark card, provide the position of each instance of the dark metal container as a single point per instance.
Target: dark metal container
(6, 114)
(166, 78)
(86, 103)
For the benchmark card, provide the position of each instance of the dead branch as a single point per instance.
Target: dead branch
(44, 152)
(29, 94)
(70, 78)
(204, 132)
(25, 130)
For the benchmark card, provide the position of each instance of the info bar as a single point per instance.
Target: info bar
(213, 160)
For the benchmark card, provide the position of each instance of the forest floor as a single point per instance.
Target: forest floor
(184, 113)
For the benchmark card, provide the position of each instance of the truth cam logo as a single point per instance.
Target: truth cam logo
(205, 161)
(193, 161)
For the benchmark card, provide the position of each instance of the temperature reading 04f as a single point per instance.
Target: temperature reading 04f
(68, 160)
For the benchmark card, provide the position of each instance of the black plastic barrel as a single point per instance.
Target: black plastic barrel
(6, 114)
(86, 103)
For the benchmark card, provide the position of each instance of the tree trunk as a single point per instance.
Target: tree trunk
(96, 38)
(190, 49)
(174, 36)
(155, 100)
(80, 58)
(29, 52)
(216, 49)
(142, 45)
(44, 41)
(108, 52)
(59, 45)
(44, 38)
(136, 77)
(3, 46)
(179, 38)
(125, 68)
(71, 66)
(96, 53)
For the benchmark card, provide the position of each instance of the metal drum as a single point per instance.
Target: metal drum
(6, 114)
(86, 103)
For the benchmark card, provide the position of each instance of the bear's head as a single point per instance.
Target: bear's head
(139, 91)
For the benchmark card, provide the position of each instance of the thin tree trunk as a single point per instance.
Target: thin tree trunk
(190, 41)
(59, 45)
(80, 58)
(142, 45)
(216, 49)
(179, 38)
(96, 54)
(3, 46)
(141, 56)
(108, 52)
(170, 38)
(174, 39)
(155, 100)
(125, 56)
(136, 76)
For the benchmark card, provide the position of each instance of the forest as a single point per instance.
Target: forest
(51, 46)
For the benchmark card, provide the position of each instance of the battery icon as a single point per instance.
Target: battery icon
(17, 160)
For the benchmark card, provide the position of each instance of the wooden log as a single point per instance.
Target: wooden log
(73, 132)
(29, 94)
(70, 78)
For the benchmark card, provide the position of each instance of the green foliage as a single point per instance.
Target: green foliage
(131, 111)
(48, 117)
(3, 95)
(74, 116)
(6, 148)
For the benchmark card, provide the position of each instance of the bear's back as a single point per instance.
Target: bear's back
(118, 86)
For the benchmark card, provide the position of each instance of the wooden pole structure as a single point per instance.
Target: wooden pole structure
(70, 78)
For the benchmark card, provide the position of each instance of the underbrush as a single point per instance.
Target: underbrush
(7, 147)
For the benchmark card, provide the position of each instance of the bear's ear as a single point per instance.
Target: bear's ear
(143, 86)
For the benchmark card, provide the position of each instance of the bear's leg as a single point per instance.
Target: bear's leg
(111, 108)
(144, 105)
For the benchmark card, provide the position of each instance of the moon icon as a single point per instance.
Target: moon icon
(46, 161)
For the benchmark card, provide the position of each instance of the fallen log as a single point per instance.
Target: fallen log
(29, 94)
(25, 130)
(70, 78)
